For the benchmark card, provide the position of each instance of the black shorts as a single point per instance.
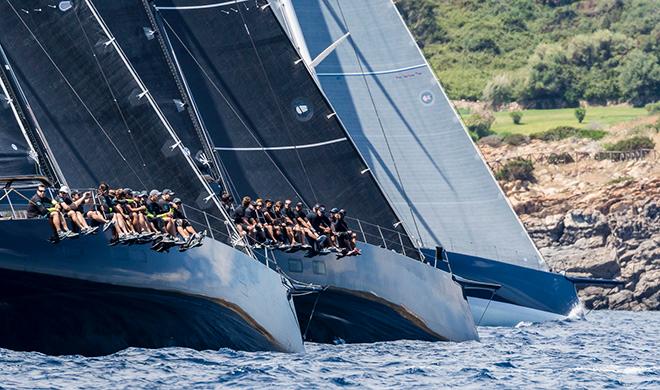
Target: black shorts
(182, 223)
(157, 222)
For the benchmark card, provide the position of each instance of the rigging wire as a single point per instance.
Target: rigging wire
(114, 97)
(279, 108)
(156, 109)
(380, 122)
(231, 107)
(66, 80)
(184, 91)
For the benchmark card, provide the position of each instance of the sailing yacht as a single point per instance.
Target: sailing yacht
(395, 110)
(73, 102)
(275, 135)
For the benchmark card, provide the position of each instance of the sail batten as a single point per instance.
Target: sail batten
(413, 140)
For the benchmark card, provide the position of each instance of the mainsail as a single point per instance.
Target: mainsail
(17, 157)
(95, 114)
(271, 127)
(406, 128)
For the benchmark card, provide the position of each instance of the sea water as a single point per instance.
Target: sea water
(606, 349)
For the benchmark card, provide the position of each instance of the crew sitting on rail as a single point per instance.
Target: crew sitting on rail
(245, 229)
(183, 226)
(278, 224)
(137, 208)
(345, 237)
(75, 208)
(41, 206)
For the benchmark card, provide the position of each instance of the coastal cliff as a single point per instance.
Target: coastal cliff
(591, 217)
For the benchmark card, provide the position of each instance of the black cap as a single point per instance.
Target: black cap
(177, 201)
(167, 191)
(334, 210)
(342, 212)
(299, 204)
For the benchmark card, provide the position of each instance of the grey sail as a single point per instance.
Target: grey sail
(82, 296)
(406, 128)
(17, 157)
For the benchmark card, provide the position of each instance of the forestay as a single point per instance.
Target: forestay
(270, 124)
(100, 122)
(401, 120)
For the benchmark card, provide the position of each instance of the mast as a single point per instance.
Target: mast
(191, 107)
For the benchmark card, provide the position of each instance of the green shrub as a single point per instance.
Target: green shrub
(502, 89)
(631, 144)
(653, 108)
(620, 179)
(516, 169)
(639, 79)
(580, 113)
(515, 139)
(516, 116)
(560, 158)
(494, 140)
(480, 122)
(563, 132)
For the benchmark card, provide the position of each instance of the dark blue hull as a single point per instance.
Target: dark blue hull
(376, 297)
(335, 315)
(525, 294)
(63, 316)
(81, 296)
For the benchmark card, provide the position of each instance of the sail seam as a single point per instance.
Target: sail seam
(205, 6)
(373, 73)
(289, 147)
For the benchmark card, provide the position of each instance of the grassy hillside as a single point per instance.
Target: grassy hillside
(544, 53)
(534, 121)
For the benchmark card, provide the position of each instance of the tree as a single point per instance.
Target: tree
(480, 122)
(500, 90)
(420, 17)
(640, 78)
(580, 113)
(551, 80)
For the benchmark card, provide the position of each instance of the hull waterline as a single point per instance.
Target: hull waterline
(378, 296)
(81, 296)
(525, 295)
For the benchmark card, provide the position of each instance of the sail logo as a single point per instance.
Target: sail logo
(427, 98)
(302, 109)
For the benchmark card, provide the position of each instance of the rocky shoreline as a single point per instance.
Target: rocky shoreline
(592, 218)
(612, 233)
